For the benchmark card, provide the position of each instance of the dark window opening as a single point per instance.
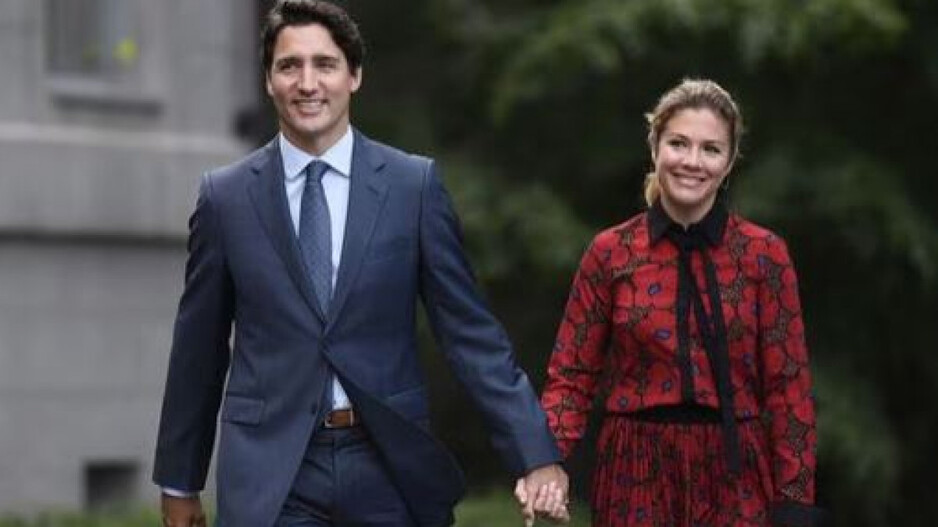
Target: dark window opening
(110, 485)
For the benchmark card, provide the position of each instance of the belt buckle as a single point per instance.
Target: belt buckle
(328, 422)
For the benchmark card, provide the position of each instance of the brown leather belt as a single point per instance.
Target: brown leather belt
(341, 418)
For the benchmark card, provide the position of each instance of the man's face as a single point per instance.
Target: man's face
(310, 84)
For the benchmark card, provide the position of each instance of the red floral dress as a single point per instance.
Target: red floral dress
(640, 328)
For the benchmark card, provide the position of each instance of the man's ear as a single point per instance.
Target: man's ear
(357, 79)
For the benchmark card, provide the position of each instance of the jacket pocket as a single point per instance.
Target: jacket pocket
(242, 410)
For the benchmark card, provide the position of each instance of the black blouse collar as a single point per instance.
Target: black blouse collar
(710, 227)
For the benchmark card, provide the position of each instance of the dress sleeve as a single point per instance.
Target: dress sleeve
(579, 351)
(788, 397)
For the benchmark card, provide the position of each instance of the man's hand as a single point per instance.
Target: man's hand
(543, 492)
(182, 512)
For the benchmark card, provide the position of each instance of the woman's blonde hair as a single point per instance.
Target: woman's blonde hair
(690, 93)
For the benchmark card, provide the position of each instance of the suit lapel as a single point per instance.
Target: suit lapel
(269, 197)
(366, 198)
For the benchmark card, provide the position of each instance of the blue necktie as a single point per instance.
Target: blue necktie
(316, 234)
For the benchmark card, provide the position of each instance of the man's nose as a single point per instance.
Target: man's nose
(308, 79)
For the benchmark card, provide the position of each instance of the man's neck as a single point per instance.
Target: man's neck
(319, 145)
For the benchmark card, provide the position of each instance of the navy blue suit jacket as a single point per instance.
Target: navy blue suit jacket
(402, 242)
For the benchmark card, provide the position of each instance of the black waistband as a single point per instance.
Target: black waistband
(678, 413)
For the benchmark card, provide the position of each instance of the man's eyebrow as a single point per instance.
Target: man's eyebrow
(322, 57)
(319, 57)
(287, 59)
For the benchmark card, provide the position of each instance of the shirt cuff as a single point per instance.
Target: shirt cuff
(176, 493)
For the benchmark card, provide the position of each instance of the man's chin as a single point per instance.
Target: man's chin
(308, 132)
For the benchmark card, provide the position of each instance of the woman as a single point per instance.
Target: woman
(687, 318)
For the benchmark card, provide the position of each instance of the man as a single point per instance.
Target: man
(316, 248)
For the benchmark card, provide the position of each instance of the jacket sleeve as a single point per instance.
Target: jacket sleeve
(199, 357)
(472, 339)
(579, 352)
(787, 392)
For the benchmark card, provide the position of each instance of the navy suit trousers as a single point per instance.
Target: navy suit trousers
(343, 483)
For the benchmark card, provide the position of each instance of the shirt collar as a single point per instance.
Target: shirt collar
(711, 226)
(338, 156)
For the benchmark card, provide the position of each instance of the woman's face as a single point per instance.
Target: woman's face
(692, 159)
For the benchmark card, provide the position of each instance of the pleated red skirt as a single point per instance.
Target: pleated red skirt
(675, 475)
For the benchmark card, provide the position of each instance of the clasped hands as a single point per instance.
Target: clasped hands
(542, 493)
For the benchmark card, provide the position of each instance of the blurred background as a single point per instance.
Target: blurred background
(111, 109)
